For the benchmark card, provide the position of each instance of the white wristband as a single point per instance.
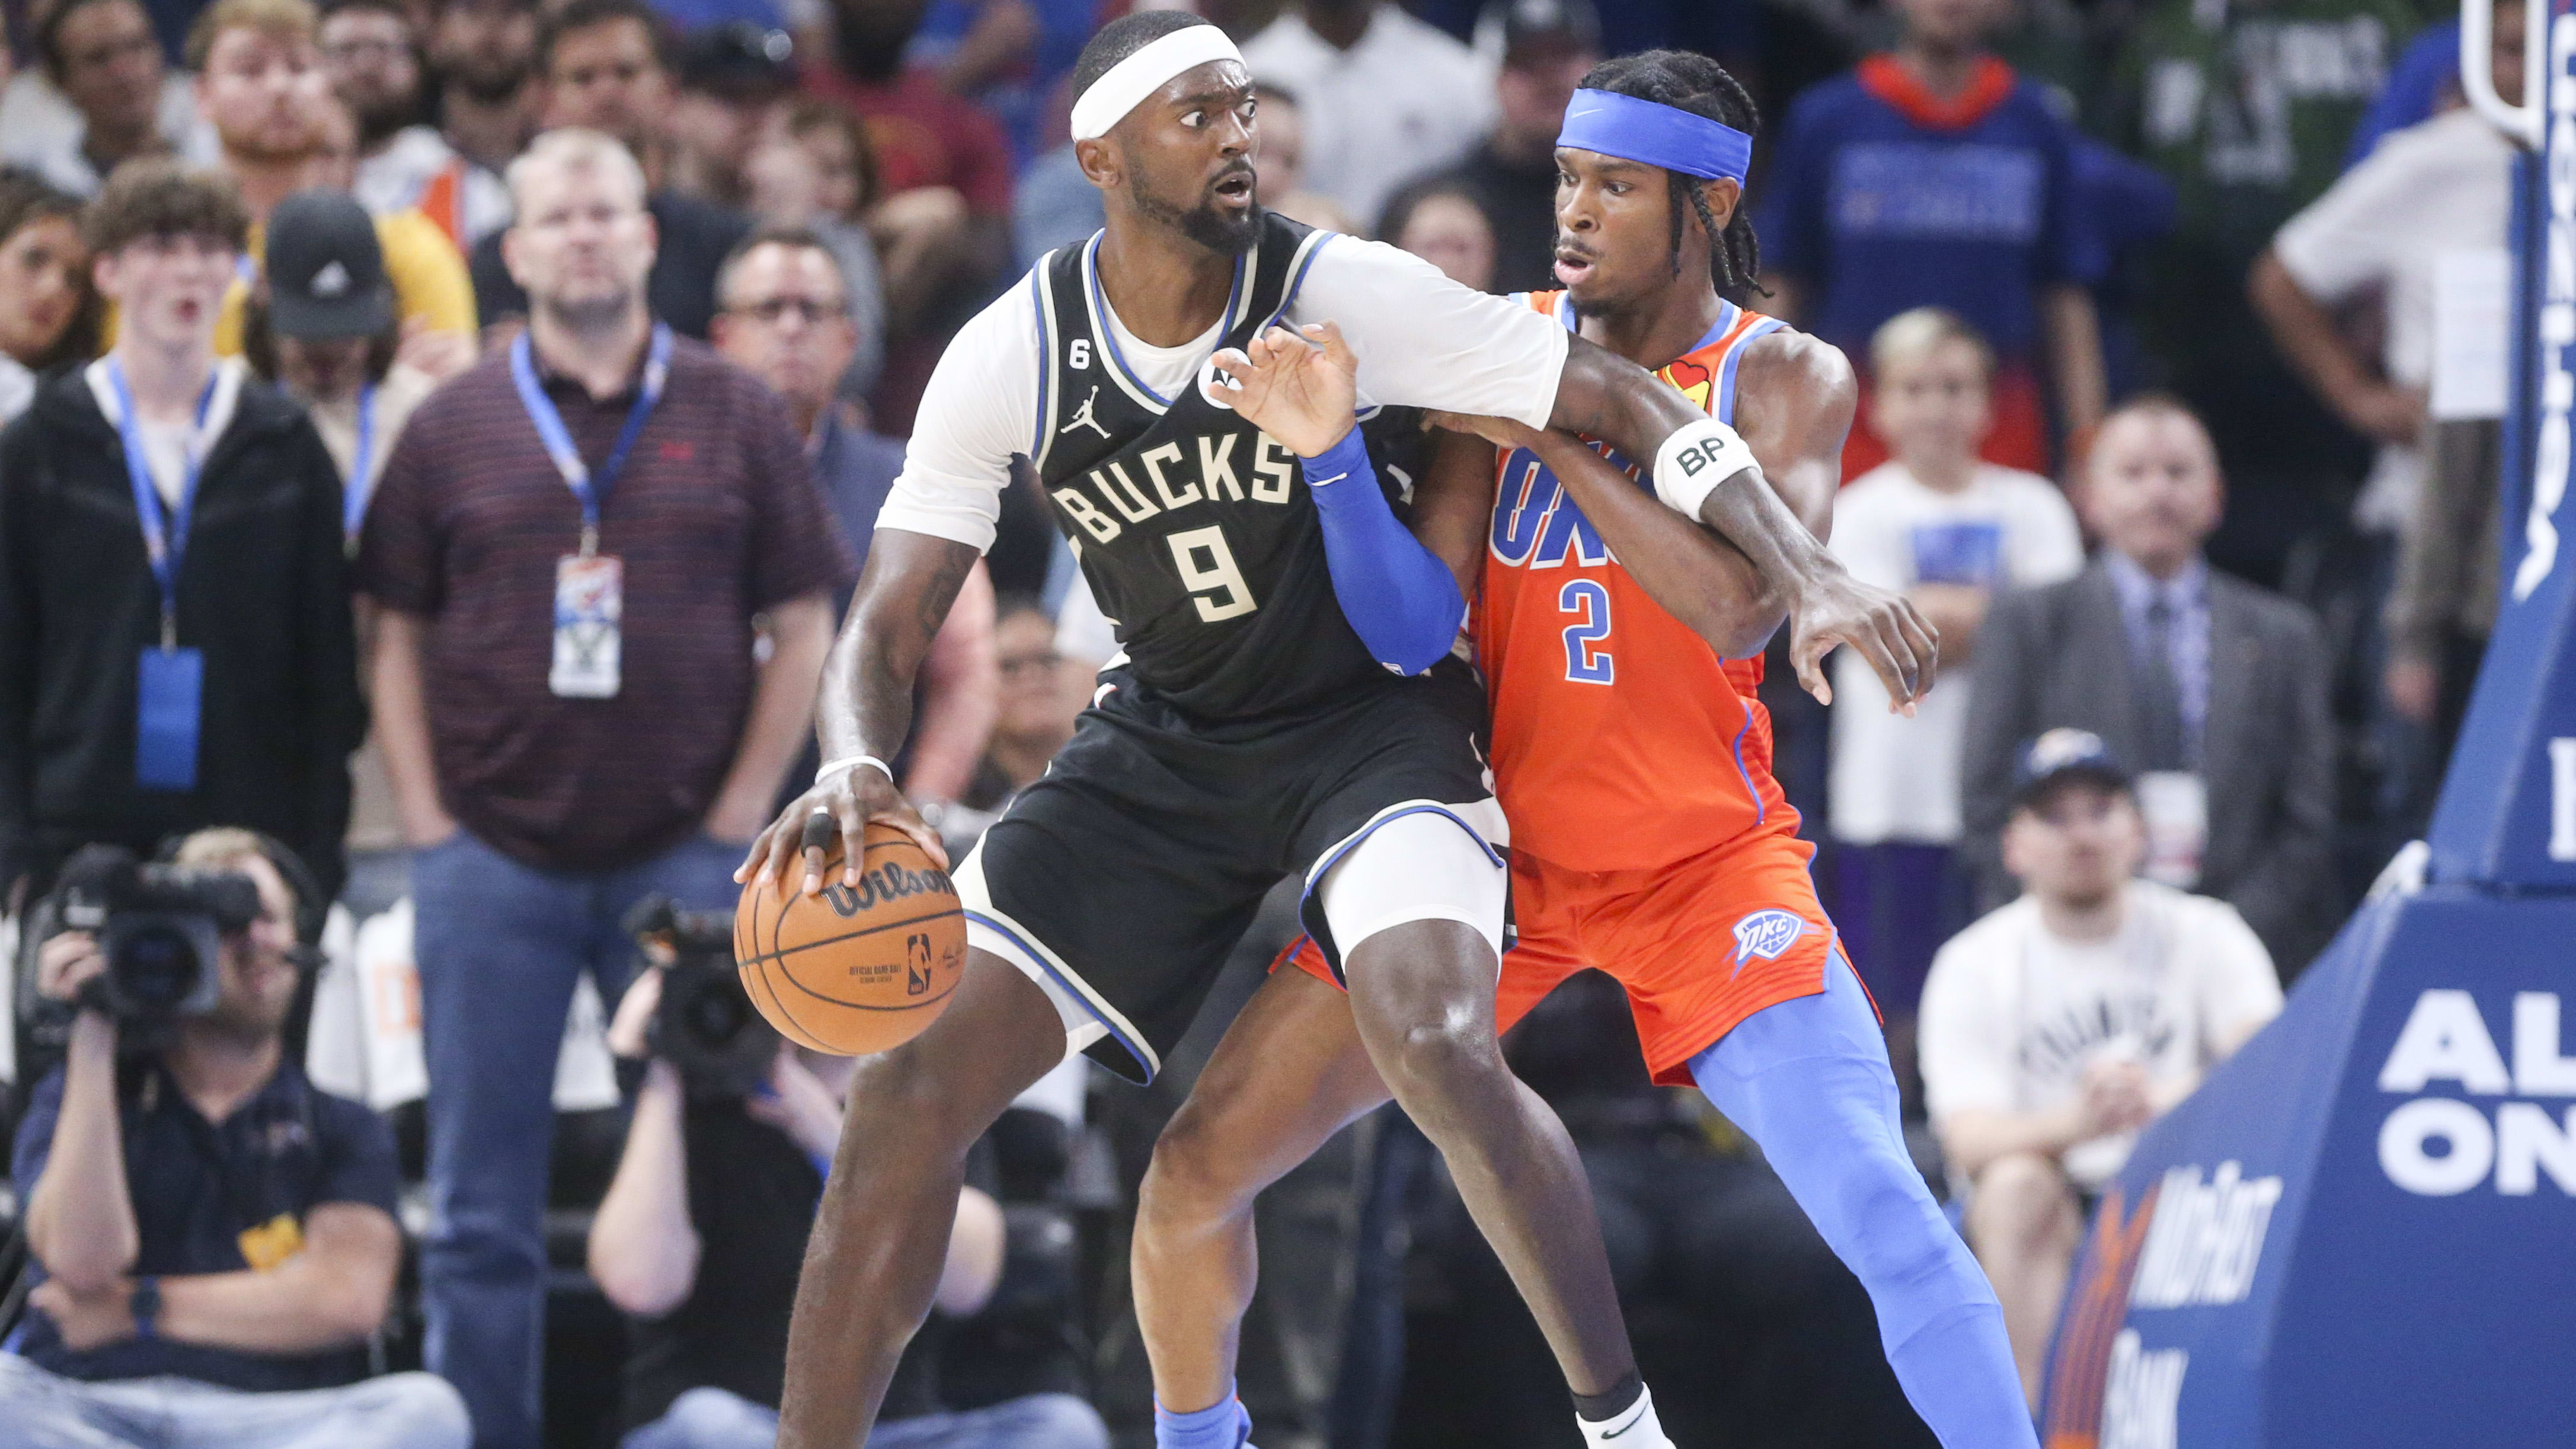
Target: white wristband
(1698, 456)
(834, 767)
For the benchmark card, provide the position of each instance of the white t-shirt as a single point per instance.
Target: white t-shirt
(393, 179)
(1895, 778)
(1421, 339)
(2441, 186)
(1407, 100)
(2012, 1013)
(169, 447)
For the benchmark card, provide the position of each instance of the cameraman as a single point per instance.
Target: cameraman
(701, 1237)
(215, 1237)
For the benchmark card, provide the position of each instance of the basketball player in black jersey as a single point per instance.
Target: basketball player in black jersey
(1271, 712)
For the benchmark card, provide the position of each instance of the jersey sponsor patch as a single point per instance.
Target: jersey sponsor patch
(1766, 934)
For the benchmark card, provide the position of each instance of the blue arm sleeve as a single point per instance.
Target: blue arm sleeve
(1403, 602)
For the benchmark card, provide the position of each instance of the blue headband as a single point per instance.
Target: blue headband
(1656, 135)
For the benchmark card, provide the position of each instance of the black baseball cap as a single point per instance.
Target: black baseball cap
(326, 272)
(1533, 28)
(2062, 755)
(739, 60)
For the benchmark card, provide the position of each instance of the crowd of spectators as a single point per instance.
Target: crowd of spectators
(391, 330)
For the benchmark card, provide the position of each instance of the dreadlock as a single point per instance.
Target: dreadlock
(1690, 82)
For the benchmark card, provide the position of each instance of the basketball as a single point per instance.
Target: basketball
(855, 969)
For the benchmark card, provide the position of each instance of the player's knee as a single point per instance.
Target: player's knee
(903, 1094)
(1445, 1071)
(2023, 1202)
(1196, 1174)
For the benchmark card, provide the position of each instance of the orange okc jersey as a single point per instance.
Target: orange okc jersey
(1621, 740)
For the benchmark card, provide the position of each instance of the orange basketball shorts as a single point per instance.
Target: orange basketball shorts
(1700, 943)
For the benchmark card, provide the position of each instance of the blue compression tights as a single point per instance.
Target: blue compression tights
(1808, 1080)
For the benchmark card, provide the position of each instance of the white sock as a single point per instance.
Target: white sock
(1635, 1427)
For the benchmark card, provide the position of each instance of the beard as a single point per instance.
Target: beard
(380, 117)
(1203, 223)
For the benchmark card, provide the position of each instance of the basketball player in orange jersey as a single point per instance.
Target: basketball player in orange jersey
(1620, 644)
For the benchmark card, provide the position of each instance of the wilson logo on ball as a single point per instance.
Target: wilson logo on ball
(885, 883)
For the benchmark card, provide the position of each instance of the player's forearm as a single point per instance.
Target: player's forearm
(1697, 577)
(961, 696)
(1603, 395)
(80, 1219)
(905, 591)
(643, 1247)
(1401, 600)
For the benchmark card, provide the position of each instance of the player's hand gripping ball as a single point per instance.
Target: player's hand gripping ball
(855, 969)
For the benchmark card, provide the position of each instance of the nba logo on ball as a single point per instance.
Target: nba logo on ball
(1766, 934)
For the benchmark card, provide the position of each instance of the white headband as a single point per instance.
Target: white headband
(1124, 85)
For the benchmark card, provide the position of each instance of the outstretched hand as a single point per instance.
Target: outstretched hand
(1901, 646)
(1300, 387)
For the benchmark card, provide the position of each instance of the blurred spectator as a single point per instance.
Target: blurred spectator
(2247, 109)
(323, 329)
(485, 55)
(103, 94)
(2060, 1025)
(2216, 690)
(1547, 46)
(670, 498)
(700, 1240)
(2379, 234)
(2430, 200)
(211, 1233)
(1934, 176)
(1042, 692)
(1953, 532)
(786, 320)
(372, 59)
(943, 168)
(1385, 96)
(48, 312)
(1441, 222)
(261, 83)
(810, 170)
(732, 78)
(1281, 163)
(605, 67)
(237, 580)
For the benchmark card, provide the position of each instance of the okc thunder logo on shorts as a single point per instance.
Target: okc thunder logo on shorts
(1766, 934)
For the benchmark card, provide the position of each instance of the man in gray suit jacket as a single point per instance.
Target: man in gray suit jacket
(2217, 686)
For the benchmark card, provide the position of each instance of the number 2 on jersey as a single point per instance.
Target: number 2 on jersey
(1218, 576)
(1587, 661)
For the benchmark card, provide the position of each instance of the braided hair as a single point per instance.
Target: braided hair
(1691, 82)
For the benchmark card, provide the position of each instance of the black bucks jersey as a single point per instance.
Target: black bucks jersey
(1193, 526)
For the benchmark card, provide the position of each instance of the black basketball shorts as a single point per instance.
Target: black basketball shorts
(1121, 881)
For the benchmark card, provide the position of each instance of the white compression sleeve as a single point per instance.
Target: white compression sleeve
(1419, 867)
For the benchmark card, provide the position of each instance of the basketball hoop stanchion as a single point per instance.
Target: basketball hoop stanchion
(2361, 1231)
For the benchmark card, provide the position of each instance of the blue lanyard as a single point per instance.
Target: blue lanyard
(588, 486)
(353, 499)
(165, 533)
